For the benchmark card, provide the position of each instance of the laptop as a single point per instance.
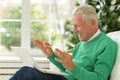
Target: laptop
(27, 60)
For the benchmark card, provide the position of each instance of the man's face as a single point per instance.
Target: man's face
(81, 27)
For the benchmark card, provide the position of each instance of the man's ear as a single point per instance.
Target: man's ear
(93, 22)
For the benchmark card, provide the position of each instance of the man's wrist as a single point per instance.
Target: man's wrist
(71, 67)
(50, 55)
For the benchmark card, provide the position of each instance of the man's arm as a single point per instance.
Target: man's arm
(102, 68)
(57, 64)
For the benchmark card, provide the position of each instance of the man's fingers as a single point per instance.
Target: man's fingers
(59, 55)
(40, 47)
(39, 44)
(59, 60)
(58, 50)
(61, 52)
(44, 50)
(46, 44)
(38, 41)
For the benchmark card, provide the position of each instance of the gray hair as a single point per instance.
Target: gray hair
(87, 11)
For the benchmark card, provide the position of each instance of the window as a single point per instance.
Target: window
(22, 21)
(47, 20)
(10, 24)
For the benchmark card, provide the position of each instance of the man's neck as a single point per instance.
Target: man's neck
(95, 34)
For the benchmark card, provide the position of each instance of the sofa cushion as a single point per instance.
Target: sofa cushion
(115, 74)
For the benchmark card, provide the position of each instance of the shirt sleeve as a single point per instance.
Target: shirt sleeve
(57, 64)
(102, 68)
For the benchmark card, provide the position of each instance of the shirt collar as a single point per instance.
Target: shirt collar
(96, 34)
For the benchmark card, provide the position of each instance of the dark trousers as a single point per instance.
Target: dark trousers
(28, 73)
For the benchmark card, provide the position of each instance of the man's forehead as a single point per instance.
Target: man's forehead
(77, 17)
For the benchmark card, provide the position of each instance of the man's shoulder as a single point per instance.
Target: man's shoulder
(107, 41)
(103, 38)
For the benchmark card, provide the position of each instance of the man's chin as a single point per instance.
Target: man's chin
(81, 39)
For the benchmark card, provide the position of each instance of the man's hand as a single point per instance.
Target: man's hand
(65, 59)
(44, 47)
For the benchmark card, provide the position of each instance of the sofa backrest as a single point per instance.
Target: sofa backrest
(115, 74)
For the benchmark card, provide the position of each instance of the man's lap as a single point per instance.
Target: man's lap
(28, 73)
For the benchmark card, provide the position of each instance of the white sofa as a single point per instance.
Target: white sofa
(115, 74)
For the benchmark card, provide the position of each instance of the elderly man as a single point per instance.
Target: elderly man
(91, 59)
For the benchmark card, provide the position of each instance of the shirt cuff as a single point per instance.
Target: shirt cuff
(76, 71)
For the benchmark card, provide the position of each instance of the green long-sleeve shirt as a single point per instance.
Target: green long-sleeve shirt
(93, 60)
